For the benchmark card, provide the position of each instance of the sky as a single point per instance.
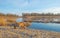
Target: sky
(29, 6)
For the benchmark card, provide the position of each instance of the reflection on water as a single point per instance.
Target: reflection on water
(46, 26)
(19, 20)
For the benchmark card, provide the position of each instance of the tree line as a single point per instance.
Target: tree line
(1, 14)
(38, 14)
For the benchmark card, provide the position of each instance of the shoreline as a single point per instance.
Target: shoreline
(27, 33)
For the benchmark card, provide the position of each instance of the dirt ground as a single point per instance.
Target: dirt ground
(9, 32)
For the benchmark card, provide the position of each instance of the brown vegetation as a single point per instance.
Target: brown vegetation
(9, 32)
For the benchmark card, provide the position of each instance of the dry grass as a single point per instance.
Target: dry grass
(9, 32)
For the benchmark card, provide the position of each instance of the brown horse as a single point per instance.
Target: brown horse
(24, 24)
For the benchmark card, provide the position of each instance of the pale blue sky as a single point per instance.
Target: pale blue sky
(19, 6)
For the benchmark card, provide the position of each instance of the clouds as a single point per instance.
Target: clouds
(15, 3)
(52, 10)
(12, 5)
(19, 3)
(19, 6)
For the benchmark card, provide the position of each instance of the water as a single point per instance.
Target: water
(46, 26)
(19, 20)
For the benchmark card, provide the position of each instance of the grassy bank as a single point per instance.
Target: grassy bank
(9, 32)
